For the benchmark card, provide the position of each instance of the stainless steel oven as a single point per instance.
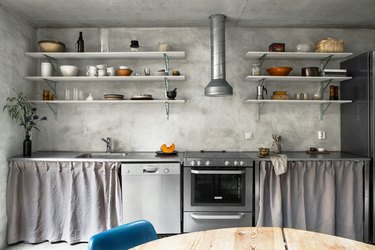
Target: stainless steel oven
(218, 191)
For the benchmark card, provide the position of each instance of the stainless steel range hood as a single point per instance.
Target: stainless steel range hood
(218, 86)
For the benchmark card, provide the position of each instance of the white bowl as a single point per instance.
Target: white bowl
(321, 149)
(69, 70)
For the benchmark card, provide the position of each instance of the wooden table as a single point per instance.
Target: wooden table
(251, 238)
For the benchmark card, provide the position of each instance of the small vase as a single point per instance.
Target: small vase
(27, 146)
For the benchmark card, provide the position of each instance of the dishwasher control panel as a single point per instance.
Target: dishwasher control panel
(150, 168)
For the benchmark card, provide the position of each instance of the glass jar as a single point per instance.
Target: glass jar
(255, 69)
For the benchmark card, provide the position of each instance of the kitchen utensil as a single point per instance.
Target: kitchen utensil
(103, 38)
(146, 71)
(141, 97)
(304, 47)
(260, 90)
(124, 72)
(279, 71)
(161, 153)
(264, 152)
(172, 94)
(277, 47)
(310, 71)
(255, 69)
(163, 46)
(113, 97)
(111, 71)
(102, 72)
(51, 46)
(69, 70)
(46, 69)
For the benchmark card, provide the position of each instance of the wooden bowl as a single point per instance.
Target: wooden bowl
(124, 72)
(51, 46)
(279, 71)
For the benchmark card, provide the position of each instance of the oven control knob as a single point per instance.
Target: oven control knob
(192, 163)
(208, 163)
(226, 163)
(235, 163)
(242, 163)
(199, 163)
(166, 170)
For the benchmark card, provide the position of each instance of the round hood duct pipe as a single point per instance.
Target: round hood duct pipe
(218, 86)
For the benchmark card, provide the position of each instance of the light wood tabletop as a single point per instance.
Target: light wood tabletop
(253, 238)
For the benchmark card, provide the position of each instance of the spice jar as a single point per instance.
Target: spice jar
(255, 69)
(333, 92)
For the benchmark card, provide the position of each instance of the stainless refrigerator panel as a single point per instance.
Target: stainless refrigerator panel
(355, 116)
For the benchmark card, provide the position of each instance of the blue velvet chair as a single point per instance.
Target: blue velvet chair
(124, 237)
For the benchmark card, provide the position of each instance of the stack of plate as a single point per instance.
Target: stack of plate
(113, 97)
(141, 97)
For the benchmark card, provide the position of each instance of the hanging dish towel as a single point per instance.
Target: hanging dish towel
(279, 163)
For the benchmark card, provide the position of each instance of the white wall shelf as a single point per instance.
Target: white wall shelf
(105, 78)
(324, 104)
(53, 103)
(54, 57)
(108, 55)
(258, 55)
(296, 78)
(106, 101)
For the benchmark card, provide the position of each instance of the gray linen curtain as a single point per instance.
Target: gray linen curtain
(320, 196)
(62, 201)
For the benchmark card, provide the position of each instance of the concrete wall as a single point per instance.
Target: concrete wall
(202, 122)
(17, 37)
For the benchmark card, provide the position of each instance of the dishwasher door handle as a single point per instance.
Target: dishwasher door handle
(150, 170)
(237, 216)
(194, 171)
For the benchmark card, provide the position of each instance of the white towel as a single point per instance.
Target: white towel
(279, 163)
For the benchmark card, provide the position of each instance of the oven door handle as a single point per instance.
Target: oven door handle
(194, 171)
(237, 216)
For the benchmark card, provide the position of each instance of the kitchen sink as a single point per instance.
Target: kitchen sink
(103, 155)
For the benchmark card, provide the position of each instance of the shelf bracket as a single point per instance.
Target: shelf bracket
(323, 109)
(53, 107)
(53, 61)
(324, 62)
(261, 59)
(167, 110)
(166, 83)
(259, 110)
(166, 60)
(324, 86)
(52, 85)
(261, 82)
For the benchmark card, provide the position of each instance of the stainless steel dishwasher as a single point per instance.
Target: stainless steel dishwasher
(151, 191)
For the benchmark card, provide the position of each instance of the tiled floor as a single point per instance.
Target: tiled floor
(48, 245)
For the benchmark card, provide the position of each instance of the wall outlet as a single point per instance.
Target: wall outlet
(249, 135)
(321, 135)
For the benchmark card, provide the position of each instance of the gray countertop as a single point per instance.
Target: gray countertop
(152, 157)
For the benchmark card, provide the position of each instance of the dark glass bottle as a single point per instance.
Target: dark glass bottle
(80, 43)
(27, 146)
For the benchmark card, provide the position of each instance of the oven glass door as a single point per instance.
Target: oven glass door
(218, 187)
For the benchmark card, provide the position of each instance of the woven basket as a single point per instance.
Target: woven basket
(330, 45)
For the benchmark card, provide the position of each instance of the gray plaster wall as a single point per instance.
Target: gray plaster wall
(17, 37)
(202, 122)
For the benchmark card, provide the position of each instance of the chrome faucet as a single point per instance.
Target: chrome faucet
(108, 141)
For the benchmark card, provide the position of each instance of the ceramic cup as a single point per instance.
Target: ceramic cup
(46, 69)
(92, 71)
(111, 71)
(101, 66)
(102, 72)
